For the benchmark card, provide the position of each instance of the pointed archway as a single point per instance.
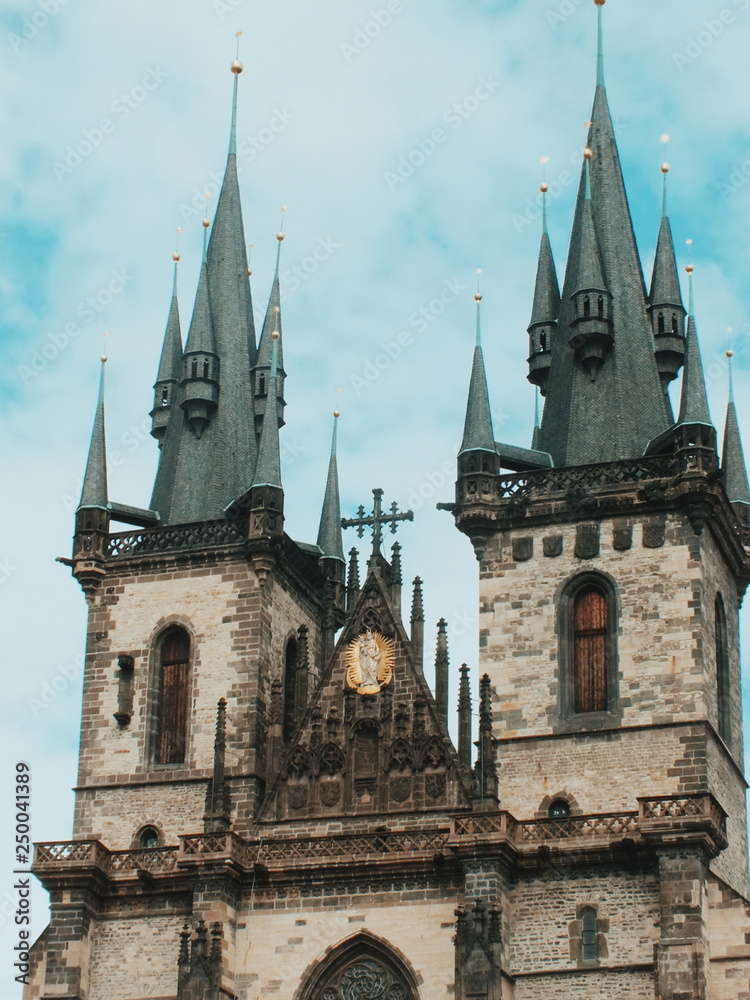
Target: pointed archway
(362, 968)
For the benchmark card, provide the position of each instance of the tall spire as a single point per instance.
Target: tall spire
(693, 400)
(329, 534)
(600, 44)
(441, 672)
(624, 408)
(546, 308)
(268, 466)
(478, 433)
(207, 459)
(94, 492)
(733, 459)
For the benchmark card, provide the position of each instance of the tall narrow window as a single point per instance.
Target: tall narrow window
(174, 663)
(588, 933)
(590, 650)
(722, 671)
(291, 689)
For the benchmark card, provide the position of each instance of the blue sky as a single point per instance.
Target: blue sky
(335, 100)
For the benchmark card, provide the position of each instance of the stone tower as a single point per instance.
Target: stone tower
(269, 800)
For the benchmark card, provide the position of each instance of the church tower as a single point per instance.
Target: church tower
(613, 559)
(269, 800)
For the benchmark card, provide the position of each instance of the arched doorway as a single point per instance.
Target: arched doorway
(363, 968)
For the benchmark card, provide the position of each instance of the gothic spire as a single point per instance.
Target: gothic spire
(478, 433)
(733, 459)
(616, 415)
(665, 301)
(546, 308)
(693, 399)
(268, 466)
(209, 450)
(329, 534)
(170, 366)
(94, 492)
(262, 367)
(441, 672)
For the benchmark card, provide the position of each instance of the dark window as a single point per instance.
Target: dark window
(722, 671)
(543, 341)
(587, 306)
(194, 369)
(205, 369)
(590, 650)
(291, 689)
(174, 663)
(559, 809)
(661, 324)
(588, 933)
(148, 837)
(261, 385)
(600, 307)
(165, 397)
(675, 324)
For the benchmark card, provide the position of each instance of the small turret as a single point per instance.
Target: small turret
(591, 328)
(417, 624)
(442, 664)
(261, 372)
(170, 367)
(733, 460)
(546, 310)
(330, 543)
(665, 301)
(200, 362)
(93, 513)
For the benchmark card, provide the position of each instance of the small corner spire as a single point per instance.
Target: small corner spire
(329, 534)
(733, 459)
(442, 666)
(94, 492)
(536, 436)
(693, 399)
(478, 432)
(545, 311)
(271, 326)
(268, 465)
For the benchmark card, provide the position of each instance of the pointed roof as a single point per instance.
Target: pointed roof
(94, 492)
(198, 478)
(170, 363)
(665, 282)
(616, 416)
(693, 398)
(268, 466)
(546, 306)
(201, 334)
(478, 433)
(329, 534)
(733, 458)
(537, 424)
(588, 263)
(272, 321)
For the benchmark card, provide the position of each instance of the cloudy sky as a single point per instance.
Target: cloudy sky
(115, 121)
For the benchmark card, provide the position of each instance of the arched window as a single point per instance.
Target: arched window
(148, 837)
(589, 952)
(361, 969)
(587, 626)
(261, 385)
(291, 689)
(722, 671)
(590, 650)
(165, 397)
(194, 369)
(174, 675)
(542, 342)
(600, 307)
(206, 369)
(675, 325)
(587, 306)
(661, 324)
(559, 809)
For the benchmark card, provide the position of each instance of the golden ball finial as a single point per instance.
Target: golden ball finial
(206, 223)
(665, 168)
(544, 187)
(280, 237)
(337, 414)
(478, 297)
(729, 354)
(275, 335)
(249, 272)
(237, 67)
(175, 257)
(690, 269)
(104, 359)
(600, 3)
(588, 153)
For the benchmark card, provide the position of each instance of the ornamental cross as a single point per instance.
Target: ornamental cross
(377, 520)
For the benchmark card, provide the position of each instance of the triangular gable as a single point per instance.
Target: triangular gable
(370, 740)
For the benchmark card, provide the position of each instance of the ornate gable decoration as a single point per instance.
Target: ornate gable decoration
(369, 662)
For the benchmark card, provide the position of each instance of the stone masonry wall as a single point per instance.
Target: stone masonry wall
(234, 635)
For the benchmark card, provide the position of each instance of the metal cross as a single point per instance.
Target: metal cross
(376, 520)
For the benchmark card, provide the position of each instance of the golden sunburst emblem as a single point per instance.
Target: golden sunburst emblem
(369, 662)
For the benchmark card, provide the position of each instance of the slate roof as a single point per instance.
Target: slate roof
(478, 433)
(170, 363)
(733, 459)
(329, 534)
(94, 492)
